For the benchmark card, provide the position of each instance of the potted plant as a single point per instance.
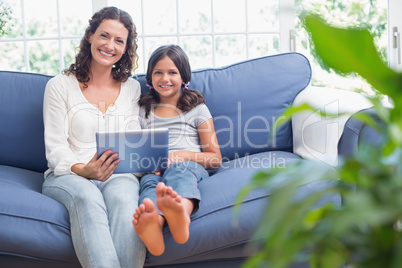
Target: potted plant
(366, 231)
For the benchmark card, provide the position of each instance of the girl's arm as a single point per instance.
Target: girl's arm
(210, 157)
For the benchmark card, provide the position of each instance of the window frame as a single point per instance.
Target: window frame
(394, 38)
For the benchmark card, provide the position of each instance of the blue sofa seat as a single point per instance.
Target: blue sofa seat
(246, 100)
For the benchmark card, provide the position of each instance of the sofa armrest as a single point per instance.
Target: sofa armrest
(316, 136)
(357, 132)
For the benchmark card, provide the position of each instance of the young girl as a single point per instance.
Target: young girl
(193, 148)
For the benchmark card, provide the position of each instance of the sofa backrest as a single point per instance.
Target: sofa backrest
(246, 100)
(21, 123)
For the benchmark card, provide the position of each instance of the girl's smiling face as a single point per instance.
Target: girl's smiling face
(166, 80)
(108, 43)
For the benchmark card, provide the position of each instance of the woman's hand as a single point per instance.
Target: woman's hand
(98, 169)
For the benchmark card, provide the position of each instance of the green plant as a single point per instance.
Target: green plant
(6, 18)
(366, 231)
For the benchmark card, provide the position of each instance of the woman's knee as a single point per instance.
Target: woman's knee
(121, 198)
(121, 188)
(72, 190)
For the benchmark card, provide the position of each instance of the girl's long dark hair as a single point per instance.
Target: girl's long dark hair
(188, 98)
(128, 62)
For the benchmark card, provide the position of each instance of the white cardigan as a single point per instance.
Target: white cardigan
(71, 121)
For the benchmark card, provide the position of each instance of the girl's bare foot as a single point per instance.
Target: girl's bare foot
(149, 229)
(172, 206)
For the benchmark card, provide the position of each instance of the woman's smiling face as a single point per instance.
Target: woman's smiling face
(108, 43)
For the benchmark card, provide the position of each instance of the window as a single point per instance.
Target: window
(210, 34)
(213, 32)
(345, 13)
(205, 29)
(45, 43)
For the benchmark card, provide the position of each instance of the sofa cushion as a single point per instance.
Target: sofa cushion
(265, 160)
(215, 227)
(32, 224)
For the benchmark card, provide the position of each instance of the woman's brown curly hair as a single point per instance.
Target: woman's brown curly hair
(128, 62)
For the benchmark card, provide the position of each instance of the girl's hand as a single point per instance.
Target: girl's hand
(210, 157)
(179, 156)
(98, 169)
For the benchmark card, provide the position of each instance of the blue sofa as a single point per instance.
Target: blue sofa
(246, 100)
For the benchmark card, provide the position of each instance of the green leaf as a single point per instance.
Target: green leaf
(352, 50)
(316, 215)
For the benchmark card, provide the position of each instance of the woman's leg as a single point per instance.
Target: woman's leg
(88, 219)
(121, 193)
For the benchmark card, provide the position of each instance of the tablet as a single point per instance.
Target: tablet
(143, 150)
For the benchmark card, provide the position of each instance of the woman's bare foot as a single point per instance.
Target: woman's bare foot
(148, 227)
(172, 206)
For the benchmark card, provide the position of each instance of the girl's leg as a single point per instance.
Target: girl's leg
(121, 193)
(180, 197)
(88, 219)
(148, 223)
(184, 177)
(176, 211)
(148, 185)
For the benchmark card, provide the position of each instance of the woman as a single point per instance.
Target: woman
(95, 94)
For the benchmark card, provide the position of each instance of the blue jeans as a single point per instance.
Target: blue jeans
(101, 216)
(183, 177)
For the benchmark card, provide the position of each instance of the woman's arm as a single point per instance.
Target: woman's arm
(55, 108)
(59, 155)
(210, 157)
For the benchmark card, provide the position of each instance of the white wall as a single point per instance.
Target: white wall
(98, 4)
